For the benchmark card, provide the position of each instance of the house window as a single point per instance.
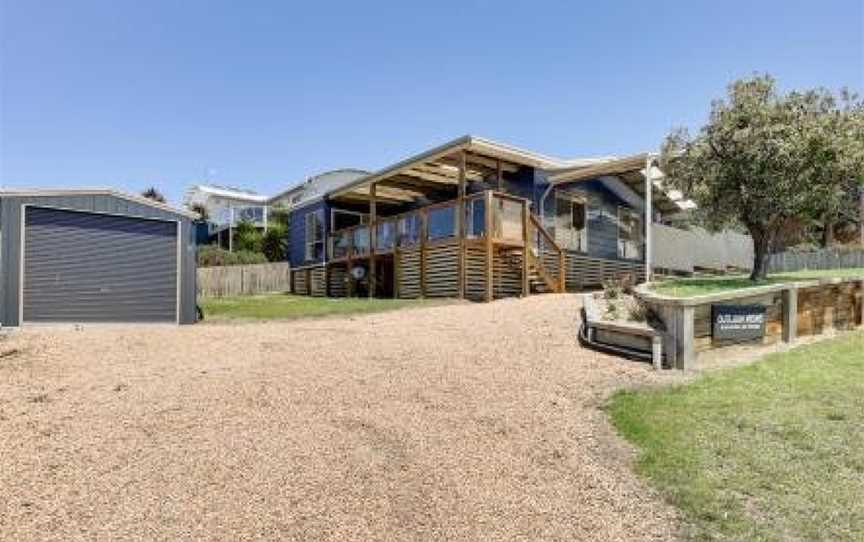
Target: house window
(630, 236)
(475, 217)
(442, 222)
(314, 236)
(409, 230)
(571, 222)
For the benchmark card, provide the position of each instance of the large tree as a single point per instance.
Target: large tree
(759, 162)
(837, 155)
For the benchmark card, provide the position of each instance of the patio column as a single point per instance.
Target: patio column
(490, 248)
(649, 217)
(460, 223)
(373, 234)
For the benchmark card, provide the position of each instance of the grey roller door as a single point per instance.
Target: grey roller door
(88, 267)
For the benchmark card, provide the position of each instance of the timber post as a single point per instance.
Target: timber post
(373, 237)
(396, 267)
(562, 271)
(861, 308)
(684, 334)
(349, 287)
(460, 224)
(490, 248)
(424, 230)
(790, 315)
(526, 249)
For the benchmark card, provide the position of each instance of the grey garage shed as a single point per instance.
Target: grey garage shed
(94, 256)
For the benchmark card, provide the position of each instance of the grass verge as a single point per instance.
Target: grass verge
(770, 451)
(690, 287)
(287, 307)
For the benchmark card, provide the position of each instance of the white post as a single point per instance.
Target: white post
(230, 229)
(649, 217)
(265, 219)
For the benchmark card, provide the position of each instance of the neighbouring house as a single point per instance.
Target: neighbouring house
(314, 187)
(226, 207)
(480, 220)
(94, 255)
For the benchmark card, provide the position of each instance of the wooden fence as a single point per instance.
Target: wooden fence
(244, 279)
(821, 259)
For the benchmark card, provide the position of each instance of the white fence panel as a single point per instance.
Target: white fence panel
(686, 250)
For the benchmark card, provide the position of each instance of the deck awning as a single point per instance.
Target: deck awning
(631, 170)
(435, 173)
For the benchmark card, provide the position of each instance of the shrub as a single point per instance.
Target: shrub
(637, 310)
(278, 215)
(611, 289)
(275, 243)
(213, 256)
(247, 237)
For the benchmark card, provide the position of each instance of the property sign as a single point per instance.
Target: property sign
(738, 322)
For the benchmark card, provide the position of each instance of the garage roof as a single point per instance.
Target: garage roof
(47, 192)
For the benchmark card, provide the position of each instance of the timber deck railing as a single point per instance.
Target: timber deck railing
(510, 226)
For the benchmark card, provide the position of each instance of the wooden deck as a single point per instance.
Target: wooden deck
(416, 254)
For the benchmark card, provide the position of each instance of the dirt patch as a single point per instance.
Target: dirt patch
(458, 422)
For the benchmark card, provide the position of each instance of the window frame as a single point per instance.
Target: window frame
(311, 220)
(638, 243)
(572, 199)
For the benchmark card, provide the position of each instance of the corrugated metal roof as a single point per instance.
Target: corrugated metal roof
(46, 192)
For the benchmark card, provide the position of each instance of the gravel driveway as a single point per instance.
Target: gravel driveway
(455, 422)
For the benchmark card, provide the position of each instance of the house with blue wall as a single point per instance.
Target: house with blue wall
(481, 220)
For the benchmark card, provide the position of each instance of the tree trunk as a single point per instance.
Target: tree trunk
(761, 248)
(861, 217)
(828, 233)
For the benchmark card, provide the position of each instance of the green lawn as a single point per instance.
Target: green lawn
(689, 287)
(286, 306)
(770, 451)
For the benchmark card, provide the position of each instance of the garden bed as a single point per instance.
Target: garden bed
(779, 311)
(620, 324)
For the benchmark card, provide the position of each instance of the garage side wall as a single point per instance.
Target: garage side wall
(10, 244)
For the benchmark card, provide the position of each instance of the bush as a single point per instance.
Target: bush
(614, 287)
(213, 256)
(637, 310)
(247, 237)
(611, 289)
(275, 243)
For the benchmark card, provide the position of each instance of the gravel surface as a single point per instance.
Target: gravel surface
(457, 422)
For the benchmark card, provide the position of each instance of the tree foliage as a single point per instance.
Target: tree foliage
(201, 210)
(768, 160)
(275, 242)
(214, 256)
(154, 194)
(247, 237)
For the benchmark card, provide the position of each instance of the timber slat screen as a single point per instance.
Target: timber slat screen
(519, 257)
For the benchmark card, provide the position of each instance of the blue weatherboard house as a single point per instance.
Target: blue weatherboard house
(475, 219)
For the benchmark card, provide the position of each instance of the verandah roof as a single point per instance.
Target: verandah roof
(435, 173)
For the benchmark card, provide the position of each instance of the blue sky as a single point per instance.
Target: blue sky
(262, 94)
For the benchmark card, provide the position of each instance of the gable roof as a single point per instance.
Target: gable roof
(228, 192)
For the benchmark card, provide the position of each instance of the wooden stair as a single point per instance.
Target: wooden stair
(539, 281)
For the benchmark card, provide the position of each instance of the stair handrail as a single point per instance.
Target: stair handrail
(537, 225)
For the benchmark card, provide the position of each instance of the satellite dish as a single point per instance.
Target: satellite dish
(358, 272)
